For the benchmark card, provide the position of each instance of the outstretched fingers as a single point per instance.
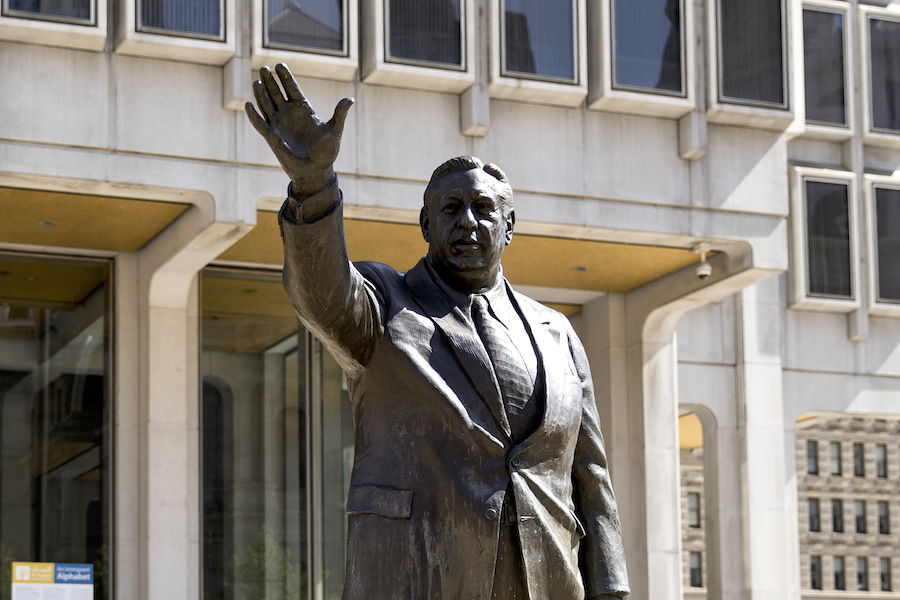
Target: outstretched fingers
(291, 87)
(271, 86)
(259, 124)
(263, 100)
(340, 115)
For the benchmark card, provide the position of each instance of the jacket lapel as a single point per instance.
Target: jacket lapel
(546, 344)
(462, 338)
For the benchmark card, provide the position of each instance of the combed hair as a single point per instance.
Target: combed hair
(466, 163)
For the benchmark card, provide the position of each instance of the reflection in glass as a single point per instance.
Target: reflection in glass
(539, 38)
(188, 16)
(316, 24)
(78, 10)
(887, 226)
(884, 62)
(647, 39)
(273, 402)
(751, 51)
(823, 51)
(54, 414)
(828, 239)
(425, 31)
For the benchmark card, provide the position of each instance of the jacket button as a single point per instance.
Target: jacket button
(516, 461)
(491, 514)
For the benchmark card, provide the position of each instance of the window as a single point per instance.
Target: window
(696, 569)
(885, 564)
(647, 44)
(752, 66)
(539, 39)
(881, 460)
(862, 573)
(815, 572)
(884, 55)
(835, 449)
(275, 426)
(884, 518)
(815, 523)
(859, 508)
(828, 245)
(195, 18)
(887, 252)
(812, 457)
(837, 516)
(859, 461)
(314, 25)
(425, 31)
(823, 52)
(55, 413)
(694, 510)
(840, 582)
(71, 11)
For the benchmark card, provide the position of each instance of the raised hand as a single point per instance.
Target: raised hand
(304, 145)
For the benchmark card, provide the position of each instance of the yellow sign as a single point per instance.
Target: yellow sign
(32, 572)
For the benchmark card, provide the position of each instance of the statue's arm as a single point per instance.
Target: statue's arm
(330, 296)
(602, 556)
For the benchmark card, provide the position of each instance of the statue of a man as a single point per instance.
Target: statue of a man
(480, 470)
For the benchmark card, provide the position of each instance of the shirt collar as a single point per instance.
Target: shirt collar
(498, 298)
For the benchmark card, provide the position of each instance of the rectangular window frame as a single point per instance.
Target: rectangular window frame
(815, 515)
(756, 114)
(815, 572)
(835, 456)
(380, 69)
(876, 306)
(799, 295)
(540, 89)
(875, 137)
(825, 131)
(338, 65)
(837, 516)
(840, 573)
(881, 455)
(812, 457)
(884, 564)
(695, 520)
(604, 95)
(884, 517)
(862, 573)
(61, 32)
(133, 40)
(859, 460)
(697, 569)
(860, 517)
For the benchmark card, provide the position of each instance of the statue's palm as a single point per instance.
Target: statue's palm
(305, 146)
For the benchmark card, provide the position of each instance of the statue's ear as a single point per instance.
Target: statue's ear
(510, 224)
(423, 223)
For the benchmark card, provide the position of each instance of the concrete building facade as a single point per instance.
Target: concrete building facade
(161, 402)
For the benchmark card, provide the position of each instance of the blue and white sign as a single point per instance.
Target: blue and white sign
(52, 581)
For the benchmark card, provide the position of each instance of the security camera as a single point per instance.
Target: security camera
(704, 270)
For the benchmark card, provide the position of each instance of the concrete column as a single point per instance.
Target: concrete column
(168, 413)
(638, 407)
(772, 563)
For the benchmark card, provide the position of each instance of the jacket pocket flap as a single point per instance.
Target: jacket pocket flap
(374, 500)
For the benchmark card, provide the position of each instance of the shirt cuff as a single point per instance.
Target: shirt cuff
(303, 210)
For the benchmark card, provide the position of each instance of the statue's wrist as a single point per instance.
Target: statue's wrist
(311, 185)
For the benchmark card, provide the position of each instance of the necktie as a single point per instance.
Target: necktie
(516, 384)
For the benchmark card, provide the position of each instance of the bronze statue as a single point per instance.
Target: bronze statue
(480, 470)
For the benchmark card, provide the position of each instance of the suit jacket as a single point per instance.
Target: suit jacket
(434, 456)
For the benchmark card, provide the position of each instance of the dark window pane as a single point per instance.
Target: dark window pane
(884, 518)
(887, 219)
(840, 582)
(693, 510)
(860, 511)
(696, 569)
(55, 414)
(885, 574)
(814, 522)
(835, 450)
(837, 516)
(317, 24)
(425, 30)
(823, 51)
(539, 37)
(751, 51)
(648, 44)
(828, 239)
(881, 460)
(884, 62)
(859, 461)
(62, 9)
(815, 572)
(812, 458)
(187, 16)
(862, 573)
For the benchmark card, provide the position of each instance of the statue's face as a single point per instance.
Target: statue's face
(467, 225)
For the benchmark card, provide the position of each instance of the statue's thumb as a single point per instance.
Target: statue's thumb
(340, 115)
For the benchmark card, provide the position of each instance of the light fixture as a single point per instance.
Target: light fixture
(47, 223)
(704, 269)
(579, 269)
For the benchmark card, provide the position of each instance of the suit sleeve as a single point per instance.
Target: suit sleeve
(602, 556)
(332, 299)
